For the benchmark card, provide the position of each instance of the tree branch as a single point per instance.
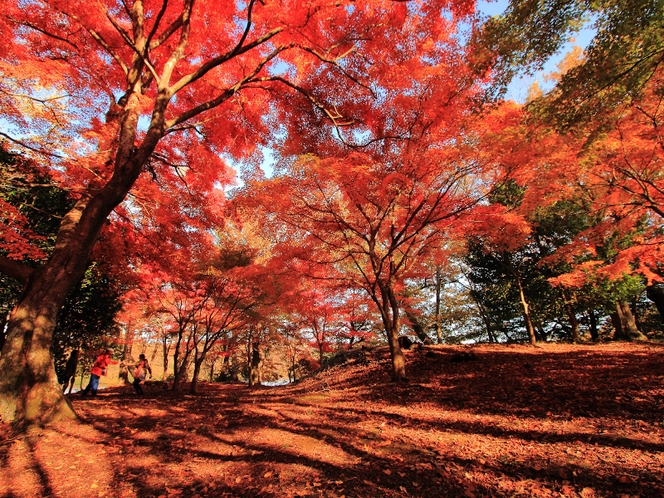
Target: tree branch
(16, 269)
(217, 61)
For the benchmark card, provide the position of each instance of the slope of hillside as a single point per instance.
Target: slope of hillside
(556, 420)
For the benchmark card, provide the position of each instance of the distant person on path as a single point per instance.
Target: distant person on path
(98, 369)
(69, 375)
(140, 372)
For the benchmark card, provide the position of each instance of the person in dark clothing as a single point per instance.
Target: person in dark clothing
(140, 372)
(69, 374)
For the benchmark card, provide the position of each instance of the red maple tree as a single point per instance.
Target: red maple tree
(108, 92)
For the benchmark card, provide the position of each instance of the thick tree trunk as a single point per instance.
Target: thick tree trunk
(234, 370)
(181, 361)
(656, 295)
(594, 331)
(625, 324)
(181, 370)
(29, 390)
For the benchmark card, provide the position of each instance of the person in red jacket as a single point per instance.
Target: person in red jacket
(98, 369)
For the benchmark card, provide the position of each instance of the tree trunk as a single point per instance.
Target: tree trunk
(418, 328)
(198, 361)
(571, 316)
(234, 370)
(176, 370)
(625, 324)
(127, 338)
(526, 314)
(166, 350)
(29, 390)
(485, 317)
(255, 364)
(180, 367)
(439, 330)
(656, 295)
(153, 356)
(390, 316)
(594, 332)
(573, 322)
(214, 364)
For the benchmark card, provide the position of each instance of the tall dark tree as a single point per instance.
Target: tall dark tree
(87, 317)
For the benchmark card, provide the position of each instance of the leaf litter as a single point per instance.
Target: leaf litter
(473, 421)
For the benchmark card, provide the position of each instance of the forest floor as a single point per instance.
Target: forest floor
(556, 420)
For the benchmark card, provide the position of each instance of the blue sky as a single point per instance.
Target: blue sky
(518, 89)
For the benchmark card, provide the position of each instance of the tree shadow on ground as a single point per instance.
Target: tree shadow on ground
(458, 428)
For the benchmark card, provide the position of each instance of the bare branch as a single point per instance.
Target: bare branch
(108, 49)
(131, 43)
(29, 147)
(41, 30)
(217, 61)
(333, 114)
(227, 94)
(157, 21)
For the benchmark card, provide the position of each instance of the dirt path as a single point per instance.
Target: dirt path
(488, 421)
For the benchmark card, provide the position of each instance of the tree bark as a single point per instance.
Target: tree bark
(28, 384)
(29, 390)
(390, 316)
(439, 329)
(254, 365)
(180, 368)
(656, 295)
(526, 314)
(594, 332)
(485, 317)
(573, 322)
(625, 324)
(198, 361)
(418, 328)
(166, 345)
